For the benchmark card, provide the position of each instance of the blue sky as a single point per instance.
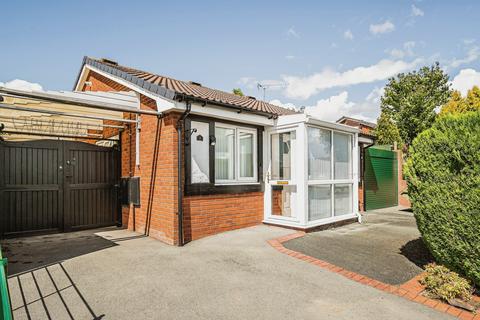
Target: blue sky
(332, 57)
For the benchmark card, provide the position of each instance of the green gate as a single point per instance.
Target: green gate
(5, 310)
(381, 181)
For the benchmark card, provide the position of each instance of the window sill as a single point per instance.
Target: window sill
(239, 183)
(211, 189)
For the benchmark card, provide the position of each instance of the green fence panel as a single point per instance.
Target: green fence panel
(381, 181)
(6, 312)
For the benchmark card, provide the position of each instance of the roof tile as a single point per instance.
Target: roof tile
(162, 85)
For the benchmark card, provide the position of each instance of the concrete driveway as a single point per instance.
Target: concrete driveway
(386, 246)
(234, 275)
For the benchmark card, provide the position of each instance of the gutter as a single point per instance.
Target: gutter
(184, 97)
(180, 130)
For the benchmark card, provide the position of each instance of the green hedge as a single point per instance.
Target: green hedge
(443, 173)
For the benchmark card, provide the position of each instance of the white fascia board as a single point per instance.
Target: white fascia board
(81, 79)
(331, 125)
(293, 119)
(225, 114)
(163, 104)
(289, 120)
(365, 140)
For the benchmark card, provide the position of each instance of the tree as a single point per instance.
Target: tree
(386, 130)
(238, 92)
(454, 104)
(458, 104)
(411, 99)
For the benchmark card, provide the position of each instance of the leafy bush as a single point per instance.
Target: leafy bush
(445, 284)
(443, 174)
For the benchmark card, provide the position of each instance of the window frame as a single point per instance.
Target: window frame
(243, 185)
(238, 179)
(332, 182)
(254, 133)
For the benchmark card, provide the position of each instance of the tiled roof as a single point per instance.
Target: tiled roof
(175, 89)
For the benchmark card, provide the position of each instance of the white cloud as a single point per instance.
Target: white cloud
(472, 55)
(407, 51)
(380, 28)
(252, 83)
(291, 32)
(305, 87)
(348, 34)
(289, 57)
(284, 105)
(334, 107)
(417, 12)
(23, 85)
(249, 82)
(465, 80)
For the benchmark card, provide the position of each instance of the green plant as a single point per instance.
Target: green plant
(445, 284)
(443, 175)
(411, 99)
(238, 92)
(386, 131)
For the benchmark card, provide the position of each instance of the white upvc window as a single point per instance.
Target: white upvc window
(330, 176)
(235, 154)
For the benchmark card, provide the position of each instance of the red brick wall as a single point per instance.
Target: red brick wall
(361, 205)
(157, 215)
(277, 202)
(208, 215)
(402, 183)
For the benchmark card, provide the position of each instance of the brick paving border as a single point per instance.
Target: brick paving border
(410, 290)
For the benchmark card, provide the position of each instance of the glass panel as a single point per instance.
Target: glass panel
(199, 142)
(343, 199)
(319, 154)
(282, 197)
(281, 156)
(319, 202)
(342, 145)
(246, 155)
(224, 154)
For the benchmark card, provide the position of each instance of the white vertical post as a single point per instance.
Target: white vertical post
(300, 166)
(137, 133)
(355, 173)
(267, 195)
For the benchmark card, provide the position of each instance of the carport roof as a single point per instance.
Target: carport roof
(173, 89)
(64, 114)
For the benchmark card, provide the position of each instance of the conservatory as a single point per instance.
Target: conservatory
(311, 172)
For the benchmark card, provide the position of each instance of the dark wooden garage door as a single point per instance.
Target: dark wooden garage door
(51, 185)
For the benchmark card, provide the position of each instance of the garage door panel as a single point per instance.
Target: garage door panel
(381, 183)
(51, 185)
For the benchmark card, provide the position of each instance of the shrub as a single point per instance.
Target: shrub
(445, 284)
(443, 174)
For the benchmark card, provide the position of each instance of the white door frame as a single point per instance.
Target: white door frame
(296, 179)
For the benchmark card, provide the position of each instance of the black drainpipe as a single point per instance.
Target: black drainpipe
(180, 126)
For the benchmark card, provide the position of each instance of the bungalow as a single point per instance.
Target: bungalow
(213, 161)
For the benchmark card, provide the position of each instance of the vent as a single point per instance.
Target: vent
(105, 60)
(252, 98)
(195, 83)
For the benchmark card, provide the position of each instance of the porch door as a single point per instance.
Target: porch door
(281, 183)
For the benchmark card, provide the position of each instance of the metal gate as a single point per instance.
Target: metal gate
(381, 178)
(53, 185)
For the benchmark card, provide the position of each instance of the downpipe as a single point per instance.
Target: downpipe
(180, 130)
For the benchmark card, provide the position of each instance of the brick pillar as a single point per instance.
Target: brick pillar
(402, 183)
